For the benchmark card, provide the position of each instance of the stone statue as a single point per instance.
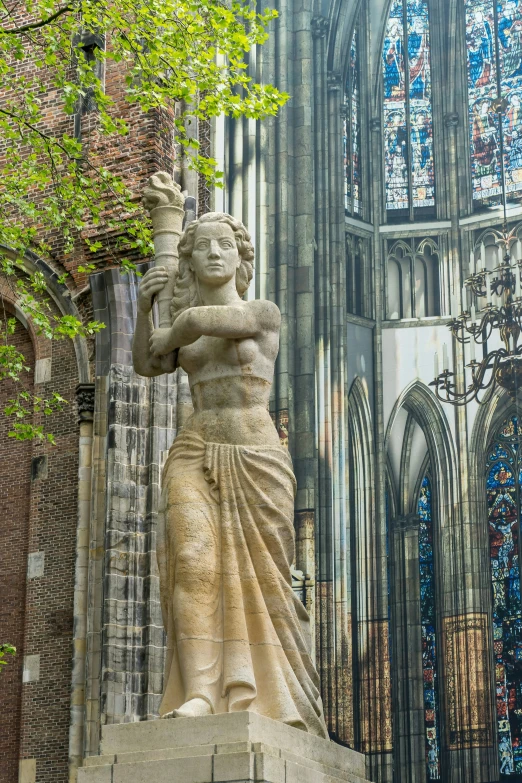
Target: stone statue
(238, 637)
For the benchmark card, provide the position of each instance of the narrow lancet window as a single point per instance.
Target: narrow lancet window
(352, 134)
(429, 645)
(503, 481)
(408, 124)
(494, 52)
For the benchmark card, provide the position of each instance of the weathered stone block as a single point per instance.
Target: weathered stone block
(101, 774)
(234, 766)
(195, 769)
(31, 671)
(239, 747)
(35, 565)
(43, 370)
(269, 768)
(27, 771)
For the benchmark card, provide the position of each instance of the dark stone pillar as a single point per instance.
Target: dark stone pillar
(406, 641)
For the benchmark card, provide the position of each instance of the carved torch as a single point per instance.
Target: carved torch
(164, 201)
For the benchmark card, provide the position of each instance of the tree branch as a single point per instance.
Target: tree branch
(36, 25)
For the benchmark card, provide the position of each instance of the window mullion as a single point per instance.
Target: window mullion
(499, 117)
(407, 104)
(349, 122)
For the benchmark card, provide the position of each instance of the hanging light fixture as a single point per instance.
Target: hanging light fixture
(501, 288)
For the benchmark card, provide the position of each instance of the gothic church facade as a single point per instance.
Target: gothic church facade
(368, 197)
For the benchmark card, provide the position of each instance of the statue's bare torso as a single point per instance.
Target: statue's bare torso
(230, 383)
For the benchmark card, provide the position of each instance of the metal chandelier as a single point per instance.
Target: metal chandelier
(501, 288)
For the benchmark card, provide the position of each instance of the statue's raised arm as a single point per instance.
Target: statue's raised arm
(164, 201)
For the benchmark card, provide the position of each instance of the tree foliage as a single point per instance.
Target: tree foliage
(6, 649)
(55, 182)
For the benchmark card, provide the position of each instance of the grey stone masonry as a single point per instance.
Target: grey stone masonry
(140, 433)
(240, 746)
(135, 425)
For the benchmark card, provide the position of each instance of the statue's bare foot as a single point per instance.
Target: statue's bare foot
(195, 708)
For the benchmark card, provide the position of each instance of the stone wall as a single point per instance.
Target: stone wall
(39, 514)
(15, 503)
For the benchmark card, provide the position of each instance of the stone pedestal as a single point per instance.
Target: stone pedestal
(242, 747)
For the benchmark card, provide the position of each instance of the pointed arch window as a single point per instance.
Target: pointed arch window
(494, 54)
(429, 646)
(503, 484)
(408, 121)
(352, 133)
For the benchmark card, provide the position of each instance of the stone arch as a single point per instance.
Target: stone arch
(343, 19)
(422, 404)
(369, 586)
(360, 510)
(435, 452)
(361, 445)
(60, 295)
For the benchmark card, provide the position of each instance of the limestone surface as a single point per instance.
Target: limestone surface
(242, 746)
(238, 637)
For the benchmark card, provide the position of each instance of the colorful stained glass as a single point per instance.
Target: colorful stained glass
(408, 127)
(510, 56)
(482, 90)
(500, 453)
(509, 428)
(396, 143)
(503, 481)
(352, 134)
(429, 647)
(421, 131)
(395, 131)
(494, 70)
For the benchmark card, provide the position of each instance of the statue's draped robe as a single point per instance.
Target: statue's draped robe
(238, 637)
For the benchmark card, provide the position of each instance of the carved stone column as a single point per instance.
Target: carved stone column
(323, 509)
(469, 699)
(406, 641)
(381, 761)
(85, 404)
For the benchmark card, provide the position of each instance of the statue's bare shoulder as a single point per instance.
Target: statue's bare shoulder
(266, 313)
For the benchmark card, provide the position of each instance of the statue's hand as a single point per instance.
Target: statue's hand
(153, 281)
(160, 342)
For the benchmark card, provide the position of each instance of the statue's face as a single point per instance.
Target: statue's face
(215, 256)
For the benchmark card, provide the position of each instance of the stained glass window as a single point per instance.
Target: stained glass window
(429, 647)
(352, 134)
(494, 46)
(408, 125)
(503, 481)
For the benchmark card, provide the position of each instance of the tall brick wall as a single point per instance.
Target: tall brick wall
(15, 501)
(38, 507)
(49, 628)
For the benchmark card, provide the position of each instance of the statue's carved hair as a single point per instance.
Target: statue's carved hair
(185, 289)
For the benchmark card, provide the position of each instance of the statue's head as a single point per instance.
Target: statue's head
(213, 249)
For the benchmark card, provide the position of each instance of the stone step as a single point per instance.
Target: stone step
(237, 747)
